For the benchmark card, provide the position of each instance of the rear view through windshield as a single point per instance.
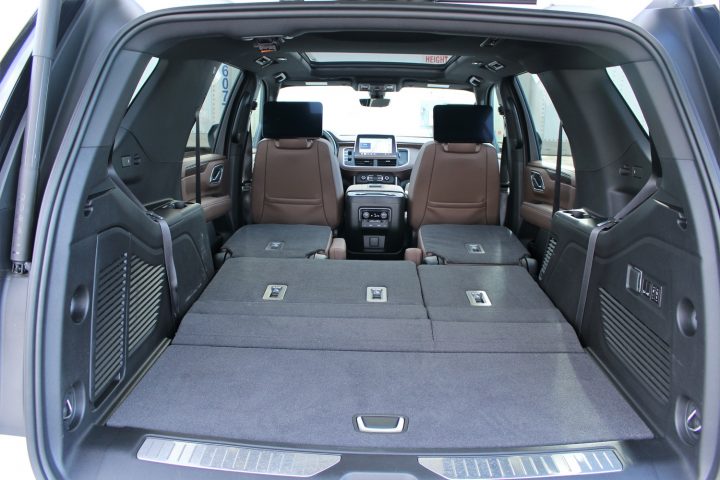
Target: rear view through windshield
(408, 115)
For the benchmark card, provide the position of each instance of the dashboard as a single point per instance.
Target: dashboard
(370, 158)
(351, 160)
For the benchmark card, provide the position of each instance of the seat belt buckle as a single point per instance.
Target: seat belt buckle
(155, 217)
(246, 186)
(607, 224)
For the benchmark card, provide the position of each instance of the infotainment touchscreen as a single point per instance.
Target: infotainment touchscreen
(375, 145)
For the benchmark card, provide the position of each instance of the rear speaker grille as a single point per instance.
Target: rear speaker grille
(642, 351)
(146, 288)
(109, 327)
(549, 251)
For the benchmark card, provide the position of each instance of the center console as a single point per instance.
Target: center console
(375, 219)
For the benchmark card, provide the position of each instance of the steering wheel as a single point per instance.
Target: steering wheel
(333, 142)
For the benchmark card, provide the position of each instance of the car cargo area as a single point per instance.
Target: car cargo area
(297, 371)
(367, 241)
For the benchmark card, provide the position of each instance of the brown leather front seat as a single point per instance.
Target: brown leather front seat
(296, 177)
(456, 177)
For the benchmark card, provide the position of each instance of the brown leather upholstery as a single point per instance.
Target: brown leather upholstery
(297, 180)
(338, 249)
(457, 183)
(414, 255)
(215, 199)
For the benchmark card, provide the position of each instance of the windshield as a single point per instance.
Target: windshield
(408, 115)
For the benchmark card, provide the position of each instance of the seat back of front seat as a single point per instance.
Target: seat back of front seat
(456, 177)
(296, 176)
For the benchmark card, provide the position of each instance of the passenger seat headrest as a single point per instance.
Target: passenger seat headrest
(292, 120)
(463, 123)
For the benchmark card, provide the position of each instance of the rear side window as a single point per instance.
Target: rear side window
(213, 107)
(149, 69)
(498, 120)
(546, 122)
(622, 84)
(256, 116)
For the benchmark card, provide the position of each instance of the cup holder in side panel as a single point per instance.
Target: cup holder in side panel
(686, 317)
(73, 406)
(688, 420)
(79, 304)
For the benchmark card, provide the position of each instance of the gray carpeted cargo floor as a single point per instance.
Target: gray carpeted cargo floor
(375, 334)
(297, 371)
(309, 397)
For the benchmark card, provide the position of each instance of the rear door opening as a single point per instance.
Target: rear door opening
(303, 319)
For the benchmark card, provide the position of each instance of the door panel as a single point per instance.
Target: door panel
(539, 194)
(215, 197)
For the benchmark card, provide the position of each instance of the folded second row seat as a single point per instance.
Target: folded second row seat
(297, 190)
(454, 192)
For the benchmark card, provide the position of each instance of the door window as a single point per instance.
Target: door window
(498, 120)
(213, 107)
(546, 122)
(622, 84)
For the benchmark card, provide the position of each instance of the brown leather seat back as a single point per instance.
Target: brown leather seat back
(456, 178)
(296, 177)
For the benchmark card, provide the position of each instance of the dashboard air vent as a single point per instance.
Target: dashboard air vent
(364, 162)
(386, 162)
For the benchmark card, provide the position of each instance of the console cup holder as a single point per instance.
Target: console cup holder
(579, 214)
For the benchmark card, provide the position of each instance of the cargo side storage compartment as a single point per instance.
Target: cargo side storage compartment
(375, 219)
(191, 248)
(561, 267)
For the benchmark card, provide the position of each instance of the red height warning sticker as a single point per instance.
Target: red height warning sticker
(437, 59)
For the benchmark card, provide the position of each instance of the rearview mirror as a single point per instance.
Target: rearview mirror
(374, 102)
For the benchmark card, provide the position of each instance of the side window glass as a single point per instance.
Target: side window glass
(546, 122)
(622, 84)
(498, 120)
(256, 116)
(213, 108)
(149, 69)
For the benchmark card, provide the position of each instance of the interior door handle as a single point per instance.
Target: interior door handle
(216, 174)
(536, 182)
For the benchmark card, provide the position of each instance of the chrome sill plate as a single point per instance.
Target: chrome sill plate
(540, 465)
(229, 458)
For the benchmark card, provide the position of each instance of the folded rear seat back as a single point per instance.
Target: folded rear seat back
(510, 294)
(279, 241)
(309, 288)
(471, 244)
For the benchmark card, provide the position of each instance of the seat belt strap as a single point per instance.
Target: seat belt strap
(645, 193)
(166, 236)
(247, 172)
(169, 262)
(504, 182)
(558, 171)
(198, 188)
